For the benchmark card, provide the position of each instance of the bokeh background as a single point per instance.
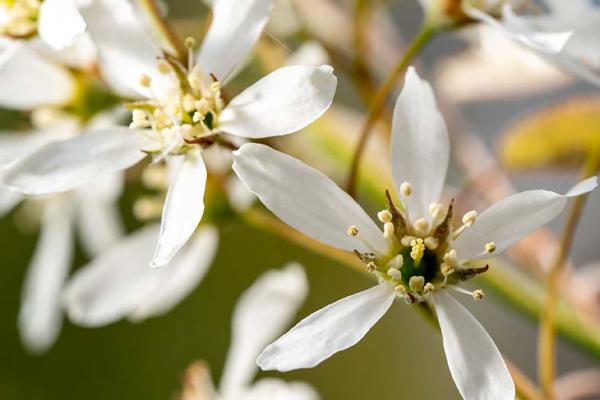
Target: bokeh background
(402, 357)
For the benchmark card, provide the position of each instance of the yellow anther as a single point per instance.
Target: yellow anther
(202, 106)
(388, 230)
(401, 290)
(451, 258)
(431, 243)
(407, 240)
(478, 294)
(469, 218)
(371, 266)
(384, 216)
(417, 250)
(394, 273)
(164, 67)
(190, 42)
(416, 283)
(189, 103)
(446, 269)
(421, 225)
(490, 247)
(396, 262)
(436, 210)
(428, 288)
(215, 87)
(145, 80)
(352, 230)
(405, 189)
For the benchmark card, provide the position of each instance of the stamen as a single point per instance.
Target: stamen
(145, 80)
(490, 247)
(396, 262)
(190, 43)
(388, 230)
(371, 266)
(164, 67)
(446, 269)
(428, 288)
(394, 273)
(469, 218)
(352, 230)
(421, 225)
(405, 189)
(416, 283)
(417, 251)
(384, 216)
(451, 258)
(431, 243)
(401, 290)
(436, 210)
(407, 240)
(477, 294)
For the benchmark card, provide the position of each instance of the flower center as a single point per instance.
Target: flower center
(185, 114)
(18, 18)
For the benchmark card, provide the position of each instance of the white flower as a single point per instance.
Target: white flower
(183, 111)
(416, 257)
(91, 209)
(118, 283)
(566, 33)
(57, 22)
(261, 313)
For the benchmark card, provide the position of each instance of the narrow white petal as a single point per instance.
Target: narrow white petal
(99, 219)
(183, 208)
(278, 389)
(235, 28)
(475, 363)
(509, 220)
(420, 146)
(40, 316)
(181, 277)
(282, 102)
(125, 49)
(64, 165)
(8, 201)
(262, 313)
(334, 328)
(306, 199)
(29, 80)
(114, 283)
(60, 23)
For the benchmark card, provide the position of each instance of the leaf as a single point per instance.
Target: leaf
(560, 136)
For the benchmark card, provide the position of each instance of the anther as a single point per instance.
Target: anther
(407, 240)
(352, 230)
(436, 210)
(478, 294)
(446, 269)
(401, 290)
(164, 67)
(371, 266)
(388, 230)
(490, 247)
(416, 283)
(189, 103)
(405, 189)
(394, 273)
(421, 225)
(428, 288)
(417, 251)
(451, 258)
(190, 42)
(431, 243)
(396, 262)
(384, 216)
(469, 218)
(145, 80)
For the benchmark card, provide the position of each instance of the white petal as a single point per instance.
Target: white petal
(282, 102)
(183, 275)
(420, 146)
(240, 198)
(29, 80)
(509, 220)
(262, 313)
(334, 328)
(277, 389)
(183, 208)
(99, 219)
(235, 28)
(310, 52)
(114, 283)
(60, 23)
(40, 316)
(125, 49)
(8, 201)
(306, 199)
(475, 363)
(64, 165)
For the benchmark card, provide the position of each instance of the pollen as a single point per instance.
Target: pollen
(371, 266)
(405, 189)
(417, 251)
(145, 80)
(490, 247)
(352, 230)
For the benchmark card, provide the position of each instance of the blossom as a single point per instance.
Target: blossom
(416, 257)
(565, 34)
(182, 113)
(57, 22)
(261, 313)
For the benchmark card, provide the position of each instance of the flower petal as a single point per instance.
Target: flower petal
(262, 313)
(40, 316)
(29, 80)
(99, 219)
(306, 199)
(334, 328)
(509, 220)
(278, 389)
(66, 164)
(183, 275)
(475, 363)
(235, 28)
(8, 201)
(183, 208)
(60, 23)
(125, 49)
(282, 102)
(420, 146)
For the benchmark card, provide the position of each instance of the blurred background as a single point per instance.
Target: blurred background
(402, 357)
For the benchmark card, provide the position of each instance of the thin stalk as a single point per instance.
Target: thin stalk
(547, 336)
(164, 29)
(378, 104)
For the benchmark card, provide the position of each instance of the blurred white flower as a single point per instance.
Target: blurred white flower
(183, 111)
(261, 313)
(417, 255)
(118, 283)
(57, 22)
(566, 32)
